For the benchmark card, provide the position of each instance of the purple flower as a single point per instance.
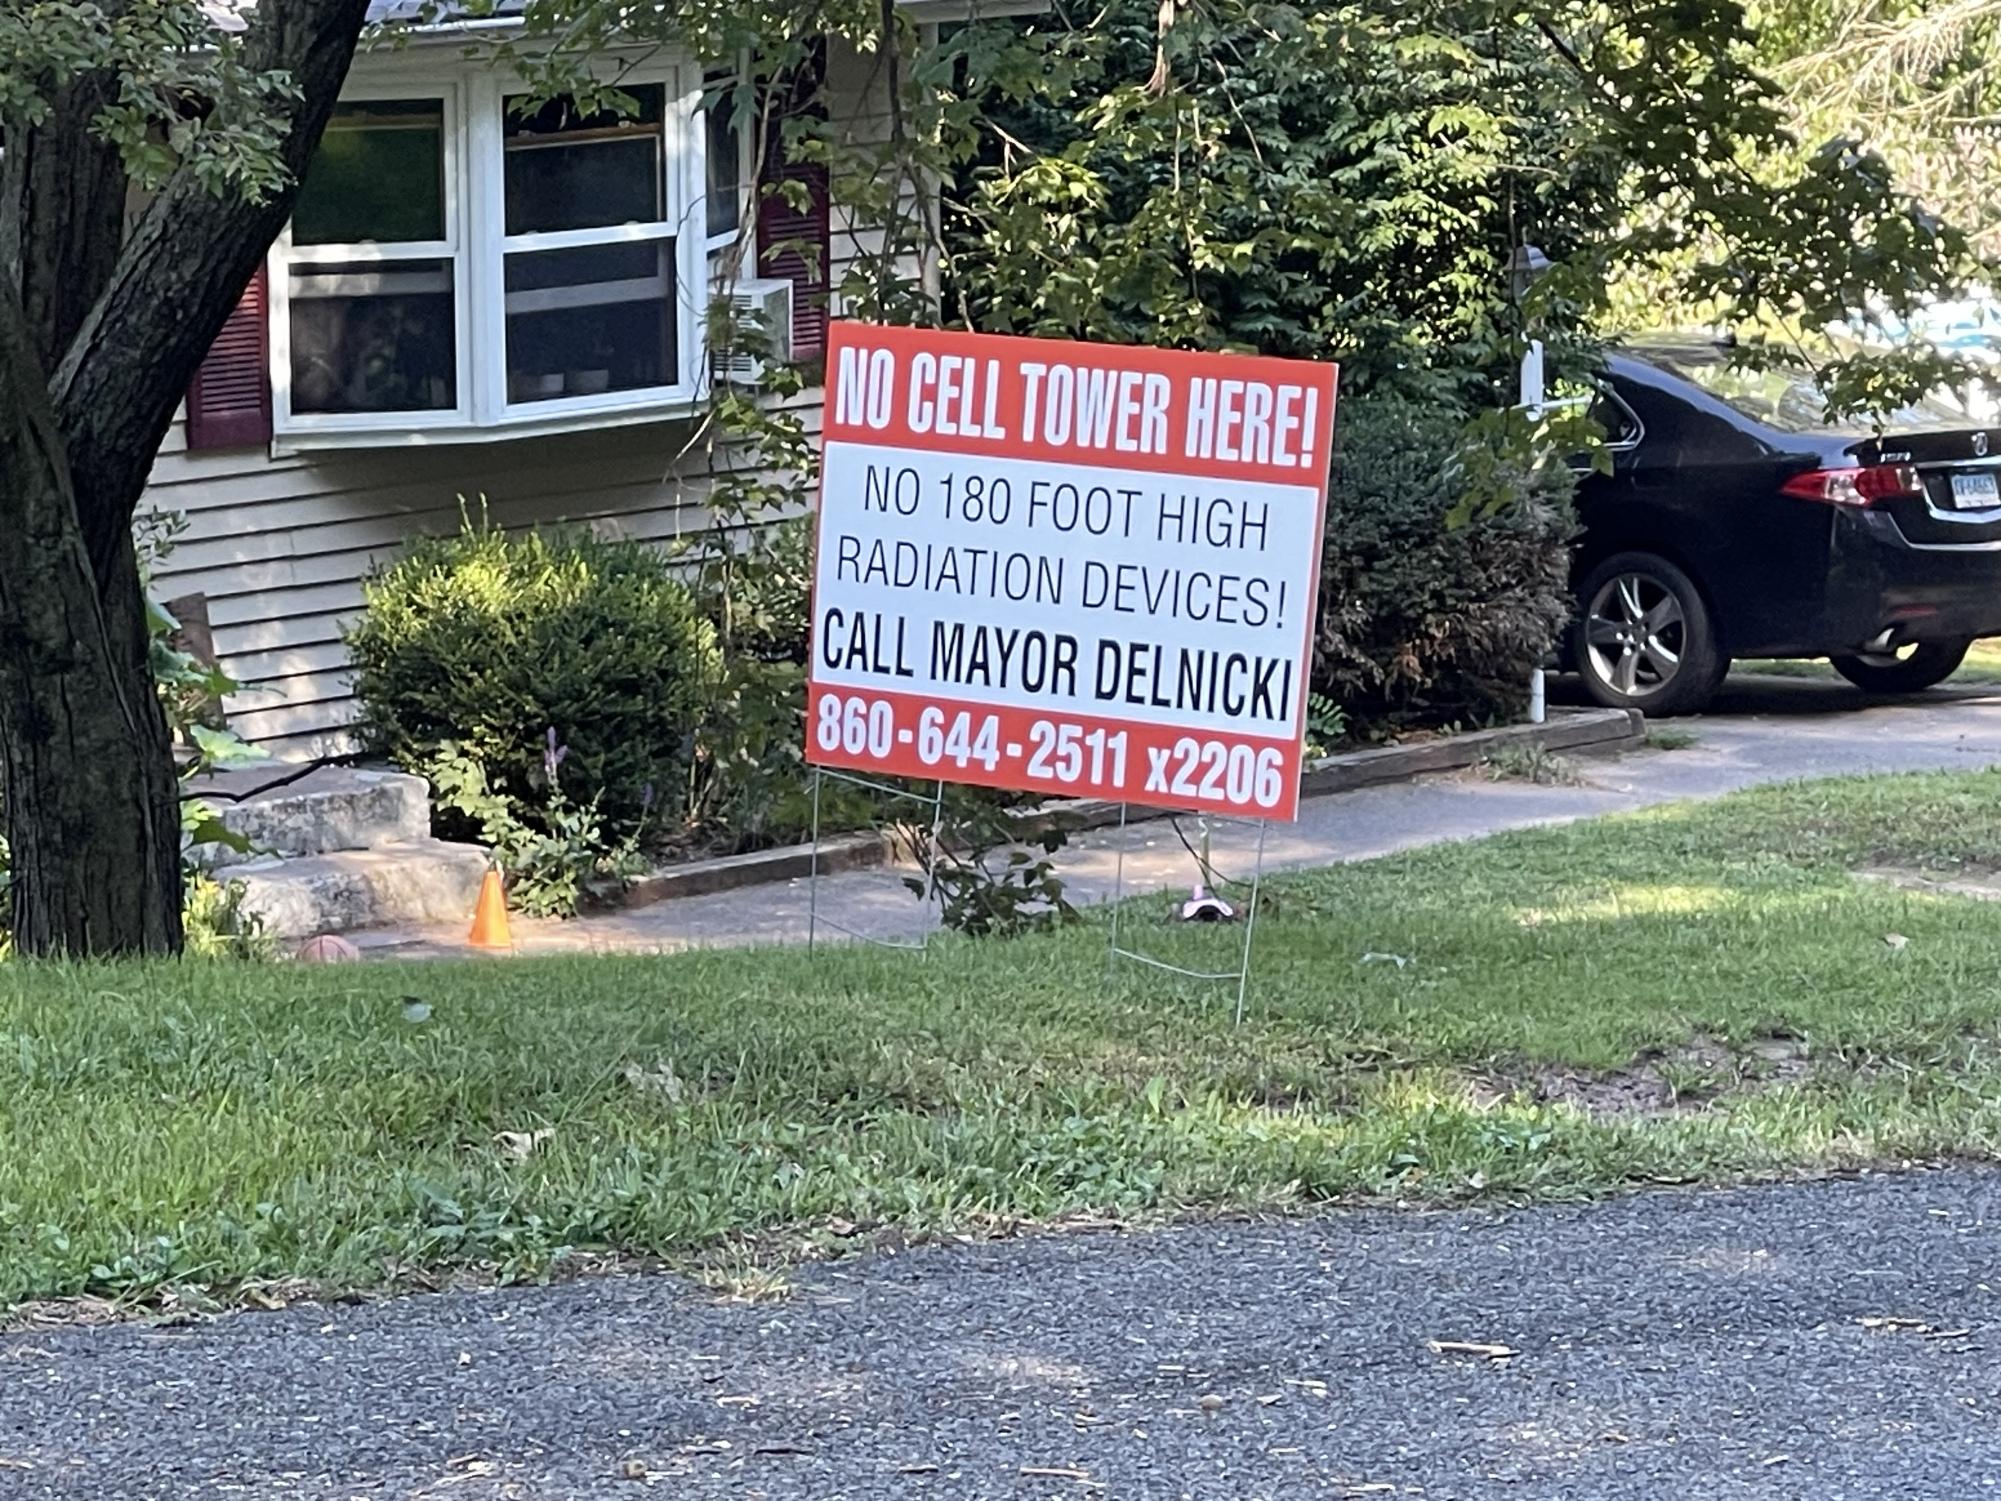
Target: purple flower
(553, 755)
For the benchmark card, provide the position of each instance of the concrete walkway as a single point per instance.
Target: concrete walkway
(1834, 1341)
(1762, 729)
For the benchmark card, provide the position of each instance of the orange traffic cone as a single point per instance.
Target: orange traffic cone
(489, 918)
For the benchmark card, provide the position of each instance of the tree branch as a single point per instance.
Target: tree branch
(178, 275)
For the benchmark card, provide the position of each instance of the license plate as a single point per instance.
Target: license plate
(1975, 492)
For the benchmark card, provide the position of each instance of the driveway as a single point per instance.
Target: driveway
(1834, 1340)
(1762, 729)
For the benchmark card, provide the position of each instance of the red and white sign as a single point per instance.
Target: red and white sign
(1078, 569)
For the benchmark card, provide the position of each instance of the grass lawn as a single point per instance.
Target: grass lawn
(1982, 666)
(1698, 992)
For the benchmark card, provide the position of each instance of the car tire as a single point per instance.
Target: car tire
(1643, 638)
(1928, 665)
(1719, 675)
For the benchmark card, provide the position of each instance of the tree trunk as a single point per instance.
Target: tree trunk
(92, 806)
(100, 332)
(86, 768)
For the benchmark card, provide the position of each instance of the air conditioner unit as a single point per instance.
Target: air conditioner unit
(762, 310)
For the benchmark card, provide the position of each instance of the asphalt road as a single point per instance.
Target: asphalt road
(1675, 1344)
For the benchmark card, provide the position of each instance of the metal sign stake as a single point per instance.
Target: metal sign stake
(814, 921)
(1114, 952)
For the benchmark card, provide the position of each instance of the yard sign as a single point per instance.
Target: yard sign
(1078, 569)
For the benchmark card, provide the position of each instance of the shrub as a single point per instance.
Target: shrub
(556, 855)
(754, 580)
(766, 593)
(753, 786)
(486, 640)
(1425, 617)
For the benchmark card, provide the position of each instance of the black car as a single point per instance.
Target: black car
(1738, 523)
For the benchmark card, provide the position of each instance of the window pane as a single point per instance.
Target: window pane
(373, 336)
(1616, 418)
(571, 171)
(379, 174)
(725, 167)
(583, 322)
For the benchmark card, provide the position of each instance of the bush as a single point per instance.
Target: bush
(1425, 618)
(766, 593)
(555, 856)
(486, 641)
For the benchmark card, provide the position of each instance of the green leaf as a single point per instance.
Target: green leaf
(208, 829)
(222, 747)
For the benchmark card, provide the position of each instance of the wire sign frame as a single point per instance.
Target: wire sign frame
(814, 921)
(1241, 975)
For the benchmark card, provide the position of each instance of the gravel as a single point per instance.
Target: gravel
(1721, 1344)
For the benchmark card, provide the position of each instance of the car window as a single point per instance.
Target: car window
(1603, 405)
(1786, 397)
(1622, 428)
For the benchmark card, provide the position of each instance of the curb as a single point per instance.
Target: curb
(1593, 731)
(786, 862)
(1590, 731)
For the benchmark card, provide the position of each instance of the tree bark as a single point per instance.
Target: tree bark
(64, 233)
(92, 803)
(100, 333)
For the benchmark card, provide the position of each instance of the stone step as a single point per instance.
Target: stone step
(335, 808)
(406, 882)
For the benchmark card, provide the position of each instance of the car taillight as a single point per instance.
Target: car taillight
(1855, 487)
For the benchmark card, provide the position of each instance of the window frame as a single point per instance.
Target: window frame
(1600, 388)
(475, 205)
(1638, 426)
(746, 164)
(285, 256)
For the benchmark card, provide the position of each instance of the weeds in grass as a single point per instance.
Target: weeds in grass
(1687, 1082)
(1667, 739)
(1524, 762)
(741, 1276)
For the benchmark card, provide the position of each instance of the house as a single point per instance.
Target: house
(473, 301)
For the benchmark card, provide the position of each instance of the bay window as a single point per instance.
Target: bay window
(464, 263)
(588, 251)
(373, 265)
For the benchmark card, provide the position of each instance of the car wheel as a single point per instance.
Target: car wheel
(1911, 669)
(1643, 638)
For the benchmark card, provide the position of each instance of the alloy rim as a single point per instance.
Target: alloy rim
(1896, 658)
(1635, 634)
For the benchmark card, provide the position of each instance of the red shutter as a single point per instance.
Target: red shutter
(229, 400)
(786, 231)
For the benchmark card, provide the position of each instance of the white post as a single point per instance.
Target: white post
(1532, 392)
(1532, 399)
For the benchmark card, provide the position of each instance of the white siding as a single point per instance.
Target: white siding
(280, 546)
(861, 124)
